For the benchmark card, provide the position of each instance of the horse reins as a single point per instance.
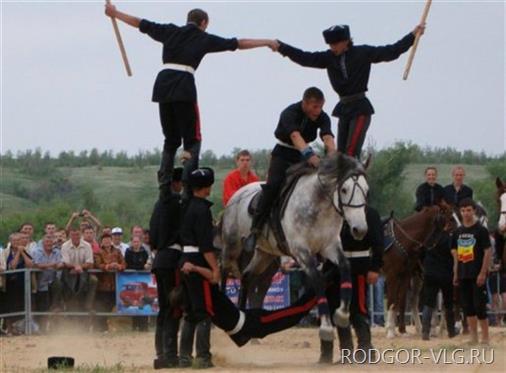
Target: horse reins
(410, 238)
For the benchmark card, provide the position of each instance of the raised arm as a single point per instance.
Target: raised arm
(391, 52)
(111, 11)
(318, 60)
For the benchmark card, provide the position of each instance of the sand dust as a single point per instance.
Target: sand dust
(295, 350)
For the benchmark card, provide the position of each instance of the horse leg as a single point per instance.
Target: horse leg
(258, 264)
(257, 291)
(316, 280)
(401, 306)
(417, 287)
(342, 314)
(392, 289)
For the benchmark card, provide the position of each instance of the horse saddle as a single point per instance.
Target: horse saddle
(293, 174)
(388, 229)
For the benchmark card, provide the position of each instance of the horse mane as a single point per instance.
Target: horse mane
(339, 164)
(337, 167)
(416, 216)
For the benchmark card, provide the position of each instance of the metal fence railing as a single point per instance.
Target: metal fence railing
(28, 311)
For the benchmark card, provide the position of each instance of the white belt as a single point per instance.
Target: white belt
(179, 67)
(286, 145)
(190, 249)
(356, 254)
(175, 247)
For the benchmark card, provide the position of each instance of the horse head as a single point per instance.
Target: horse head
(344, 182)
(501, 199)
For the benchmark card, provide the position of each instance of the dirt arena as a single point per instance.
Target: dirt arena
(295, 350)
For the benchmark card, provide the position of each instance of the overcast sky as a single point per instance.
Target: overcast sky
(64, 86)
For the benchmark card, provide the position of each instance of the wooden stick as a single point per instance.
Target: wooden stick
(120, 44)
(417, 38)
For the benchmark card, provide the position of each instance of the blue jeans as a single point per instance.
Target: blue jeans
(379, 305)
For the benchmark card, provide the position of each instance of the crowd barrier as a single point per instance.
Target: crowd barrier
(28, 313)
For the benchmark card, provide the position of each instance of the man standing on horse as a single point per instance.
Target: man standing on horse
(471, 250)
(365, 259)
(298, 126)
(184, 47)
(348, 67)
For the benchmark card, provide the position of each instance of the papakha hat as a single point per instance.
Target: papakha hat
(337, 33)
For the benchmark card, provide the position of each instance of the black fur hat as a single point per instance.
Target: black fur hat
(337, 33)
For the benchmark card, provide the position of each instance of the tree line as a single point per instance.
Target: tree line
(43, 181)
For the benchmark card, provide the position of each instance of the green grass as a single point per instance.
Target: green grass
(126, 195)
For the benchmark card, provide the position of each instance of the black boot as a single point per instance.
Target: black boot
(345, 344)
(365, 352)
(260, 217)
(426, 321)
(326, 352)
(450, 323)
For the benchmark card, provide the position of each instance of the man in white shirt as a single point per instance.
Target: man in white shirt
(78, 285)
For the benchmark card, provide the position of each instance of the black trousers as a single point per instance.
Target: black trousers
(206, 300)
(105, 301)
(473, 298)
(351, 131)
(180, 125)
(275, 178)
(199, 331)
(431, 287)
(359, 315)
(167, 321)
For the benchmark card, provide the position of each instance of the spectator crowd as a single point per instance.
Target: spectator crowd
(74, 271)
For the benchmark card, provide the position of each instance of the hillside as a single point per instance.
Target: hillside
(125, 195)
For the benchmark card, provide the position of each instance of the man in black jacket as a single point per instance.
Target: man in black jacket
(348, 67)
(184, 47)
(366, 260)
(438, 275)
(164, 231)
(429, 193)
(299, 125)
(457, 190)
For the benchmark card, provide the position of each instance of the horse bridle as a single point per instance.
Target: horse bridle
(411, 239)
(356, 186)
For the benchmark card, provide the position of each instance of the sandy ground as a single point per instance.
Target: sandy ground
(295, 350)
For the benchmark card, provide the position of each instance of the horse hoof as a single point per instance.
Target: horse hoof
(326, 333)
(390, 334)
(341, 319)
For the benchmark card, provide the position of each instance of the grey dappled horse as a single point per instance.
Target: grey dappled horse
(311, 222)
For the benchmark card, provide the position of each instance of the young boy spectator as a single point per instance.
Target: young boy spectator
(117, 240)
(471, 258)
(239, 177)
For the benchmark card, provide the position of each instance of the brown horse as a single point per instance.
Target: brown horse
(402, 266)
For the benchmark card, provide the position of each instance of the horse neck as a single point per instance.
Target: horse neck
(308, 192)
(418, 226)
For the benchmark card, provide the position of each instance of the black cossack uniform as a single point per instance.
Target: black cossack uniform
(175, 90)
(349, 75)
(164, 231)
